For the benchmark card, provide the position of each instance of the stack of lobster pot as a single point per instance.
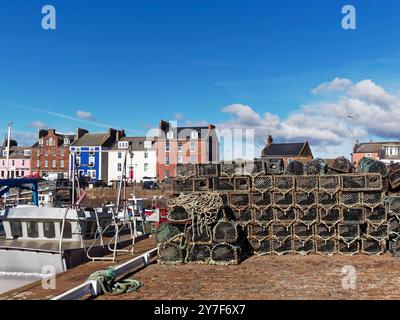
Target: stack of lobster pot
(393, 210)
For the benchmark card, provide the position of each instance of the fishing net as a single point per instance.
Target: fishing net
(167, 231)
(325, 247)
(305, 200)
(307, 183)
(283, 200)
(264, 216)
(198, 254)
(348, 233)
(373, 199)
(379, 233)
(350, 199)
(304, 247)
(376, 216)
(341, 165)
(226, 254)
(353, 215)
(198, 234)
(225, 231)
(281, 247)
(182, 185)
(316, 167)
(274, 166)
(261, 200)
(239, 199)
(201, 184)
(372, 246)
(254, 168)
(330, 216)
(374, 182)
(243, 216)
(281, 231)
(242, 183)
(307, 217)
(326, 200)
(231, 168)
(262, 183)
(185, 170)
(207, 170)
(256, 231)
(179, 215)
(285, 217)
(223, 184)
(295, 168)
(329, 183)
(324, 232)
(284, 184)
(260, 247)
(348, 248)
(171, 253)
(353, 182)
(303, 232)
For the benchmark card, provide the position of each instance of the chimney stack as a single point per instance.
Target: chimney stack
(270, 140)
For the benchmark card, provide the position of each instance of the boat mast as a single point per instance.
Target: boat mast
(8, 150)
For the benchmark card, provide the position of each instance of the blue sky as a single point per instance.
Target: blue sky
(130, 63)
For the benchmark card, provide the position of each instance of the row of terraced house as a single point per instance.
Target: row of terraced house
(108, 156)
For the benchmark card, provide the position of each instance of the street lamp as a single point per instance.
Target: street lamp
(352, 117)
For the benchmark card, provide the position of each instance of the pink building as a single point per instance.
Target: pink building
(19, 163)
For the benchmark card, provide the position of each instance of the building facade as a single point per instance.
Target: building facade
(387, 152)
(287, 151)
(51, 153)
(184, 145)
(89, 154)
(19, 162)
(139, 155)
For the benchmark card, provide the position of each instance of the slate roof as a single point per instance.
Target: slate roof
(91, 140)
(16, 153)
(136, 143)
(283, 149)
(372, 147)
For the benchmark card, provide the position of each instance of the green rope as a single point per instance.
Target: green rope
(106, 279)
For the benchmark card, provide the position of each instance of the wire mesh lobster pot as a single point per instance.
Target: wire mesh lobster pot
(330, 216)
(305, 200)
(393, 206)
(393, 227)
(198, 234)
(263, 216)
(243, 216)
(261, 200)
(329, 183)
(239, 199)
(324, 232)
(260, 247)
(242, 183)
(274, 166)
(353, 215)
(348, 233)
(315, 167)
(373, 182)
(394, 178)
(225, 232)
(281, 232)
(256, 231)
(295, 168)
(281, 247)
(254, 168)
(379, 233)
(394, 246)
(223, 184)
(372, 246)
(285, 217)
(186, 170)
(171, 253)
(262, 183)
(303, 247)
(325, 247)
(348, 248)
(202, 184)
(350, 199)
(376, 216)
(226, 254)
(169, 232)
(373, 199)
(308, 216)
(179, 215)
(207, 170)
(307, 183)
(198, 254)
(341, 165)
(284, 184)
(283, 200)
(326, 200)
(231, 168)
(353, 182)
(303, 232)
(182, 185)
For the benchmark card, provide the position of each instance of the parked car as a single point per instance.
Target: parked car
(150, 185)
(167, 181)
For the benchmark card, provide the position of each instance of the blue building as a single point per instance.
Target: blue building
(89, 153)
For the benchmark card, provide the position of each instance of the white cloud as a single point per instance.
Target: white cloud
(84, 115)
(375, 114)
(336, 85)
(38, 125)
(178, 116)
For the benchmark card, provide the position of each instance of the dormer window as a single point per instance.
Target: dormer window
(194, 135)
(170, 135)
(27, 153)
(4, 153)
(91, 150)
(147, 144)
(123, 145)
(41, 142)
(66, 141)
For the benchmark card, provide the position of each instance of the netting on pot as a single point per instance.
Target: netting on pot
(261, 200)
(225, 231)
(348, 233)
(305, 200)
(254, 168)
(256, 231)
(376, 216)
(353, 182)
(304, 247)
(223, 184)
(325, 247)
(316, 167)
(182, 185)
(348, 248)
(329, 183)
(285, 217)
(171, 253)
(341, 165)
(350, 199)
(231, 168)
(260, 247)
(281, 247)
(281, 231)
(207, 170)
(295, 168)
(198, 254)
(324, 232)
(394, 246)
(202, 184)
(374, 181)
(167, 231)
(303, 232)
(394, 178)
(393, 206)
(393, 227)
(226, 254)
(186, 170)
(373, 199)
(274, 166)
(239, 199)
(179, 215)
(372, 246)
(283, 184)
(353, 215)
(307, 183)
(263, 216)
(242, 183)
(243, 216)
(330, 216)
(283, 200)
(308, 216)
(379, 233)
(198, 233)
(327, 200)
(262, 183)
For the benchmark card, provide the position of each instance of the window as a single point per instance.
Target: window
(78, 161)
(50, 142)
(16, 229)
(13, 163)
(38, 152)
(146, 167)
(17, 173)
(194, 135)
(2, 173)
(54, 152)
(167, 173)
(62, 152)
(4, 153)
(170, 135)
(33, 230)
(123, 144)
(119, 168)
(91, 174)
(119, 155)
(147, 144)
(54, 163)
(192, 146)
(46, 152)
(61, 163)
(146, 155)
(37, 163)
(41, 142)
(3, 163)
(66, 141)
(49, 230)
(179, 146)
(180, 160)
(368, 155)
(167, 160)
(23, 163)
(67, 234)
(46, 163)
(27, 153)
(167, 146)
(91, 161)
(22, 173)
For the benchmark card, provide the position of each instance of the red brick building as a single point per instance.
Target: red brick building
(184, 145)
(50, 154)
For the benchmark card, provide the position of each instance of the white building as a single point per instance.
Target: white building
(141, 159)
